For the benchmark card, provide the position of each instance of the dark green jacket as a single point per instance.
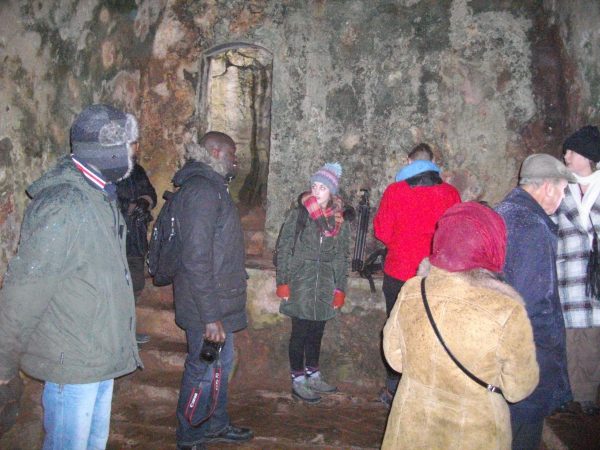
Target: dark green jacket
(318, 266)
(66, 307)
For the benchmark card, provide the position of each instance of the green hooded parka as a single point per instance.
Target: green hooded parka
(67, 311)
(318, 266)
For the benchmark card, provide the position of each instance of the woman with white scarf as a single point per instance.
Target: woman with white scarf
(578, 266)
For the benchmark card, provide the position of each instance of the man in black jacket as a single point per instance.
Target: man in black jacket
(137, 197)
(209, 288)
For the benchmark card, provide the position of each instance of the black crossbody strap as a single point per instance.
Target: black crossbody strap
(489, 387)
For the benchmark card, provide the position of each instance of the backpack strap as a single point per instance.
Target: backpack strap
(301, 220)
(479, 381)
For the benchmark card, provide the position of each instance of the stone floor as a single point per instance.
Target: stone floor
(143, 418)
(144, 402)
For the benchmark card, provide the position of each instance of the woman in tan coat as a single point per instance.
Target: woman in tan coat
(483, 323)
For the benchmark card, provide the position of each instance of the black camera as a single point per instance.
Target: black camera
(210, 350)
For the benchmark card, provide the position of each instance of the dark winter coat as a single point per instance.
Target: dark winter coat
(530, 268)
(67, 309)
(129, 190)
(317, 268)
(210, 285)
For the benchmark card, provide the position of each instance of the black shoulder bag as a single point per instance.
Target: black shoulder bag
(479, 381)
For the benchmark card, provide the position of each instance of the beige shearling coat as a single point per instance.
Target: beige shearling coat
(485, 325)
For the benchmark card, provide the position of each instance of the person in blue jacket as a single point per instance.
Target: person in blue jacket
(530, 267)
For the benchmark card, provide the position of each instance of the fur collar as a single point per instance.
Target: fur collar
(479, 278)
(196, 152)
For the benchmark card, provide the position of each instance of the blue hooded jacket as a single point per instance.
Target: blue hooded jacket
(415, 168)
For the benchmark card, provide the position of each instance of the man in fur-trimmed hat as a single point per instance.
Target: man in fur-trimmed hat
(67, 313)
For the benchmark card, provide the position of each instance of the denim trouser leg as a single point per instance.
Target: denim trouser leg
(77, 416)
(197, 372)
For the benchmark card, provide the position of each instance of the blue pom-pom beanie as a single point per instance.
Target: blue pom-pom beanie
(329, 175)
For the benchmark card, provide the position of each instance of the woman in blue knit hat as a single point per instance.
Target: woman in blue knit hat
(312, 270)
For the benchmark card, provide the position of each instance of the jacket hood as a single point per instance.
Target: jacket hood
(416, 168)
(197, 153)
(63, 172)
(428, 178)
(194, 168)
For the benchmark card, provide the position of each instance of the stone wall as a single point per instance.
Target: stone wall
(360, 81)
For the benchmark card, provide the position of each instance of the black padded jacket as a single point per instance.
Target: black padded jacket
(211, 282)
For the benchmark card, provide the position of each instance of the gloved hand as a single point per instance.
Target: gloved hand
(339, 298)
(140, 212)
(283, 291)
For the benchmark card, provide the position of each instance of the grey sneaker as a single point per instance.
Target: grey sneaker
(301, 391)
(317, 384)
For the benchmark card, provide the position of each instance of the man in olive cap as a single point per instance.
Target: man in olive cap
(66, 308)
(530, 267)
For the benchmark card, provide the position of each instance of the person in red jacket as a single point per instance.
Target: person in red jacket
(405, 222)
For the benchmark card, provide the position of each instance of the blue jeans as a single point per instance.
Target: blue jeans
(199, 373)
(77, 416)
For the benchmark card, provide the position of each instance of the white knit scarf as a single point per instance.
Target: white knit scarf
(585, 203)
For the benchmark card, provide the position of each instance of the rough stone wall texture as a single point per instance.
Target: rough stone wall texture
(580, 39)
(360, 81)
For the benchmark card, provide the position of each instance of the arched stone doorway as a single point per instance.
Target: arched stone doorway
(234, 96)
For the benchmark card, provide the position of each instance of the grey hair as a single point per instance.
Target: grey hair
(199, 153)
(538, 182)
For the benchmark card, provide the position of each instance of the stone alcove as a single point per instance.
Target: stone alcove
(234, 96)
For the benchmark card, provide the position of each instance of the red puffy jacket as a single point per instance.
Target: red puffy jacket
(405, 222)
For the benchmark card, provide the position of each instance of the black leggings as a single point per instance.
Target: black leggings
(305, 342)
(391, 288)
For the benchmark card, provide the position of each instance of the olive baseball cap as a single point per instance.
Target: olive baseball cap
(542, 166)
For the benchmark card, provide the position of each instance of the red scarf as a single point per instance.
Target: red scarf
(320, 216)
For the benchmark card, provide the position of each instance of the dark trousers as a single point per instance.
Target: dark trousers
(391, 288)
(136, 269)
(526, 436)
(198, 374)
(305, 343)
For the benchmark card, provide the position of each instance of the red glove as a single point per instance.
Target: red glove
(339, 298)
(283, 291)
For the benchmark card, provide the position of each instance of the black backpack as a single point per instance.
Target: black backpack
(300, 225)
(164, 248)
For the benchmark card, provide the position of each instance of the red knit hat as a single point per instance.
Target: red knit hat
(469, 236)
